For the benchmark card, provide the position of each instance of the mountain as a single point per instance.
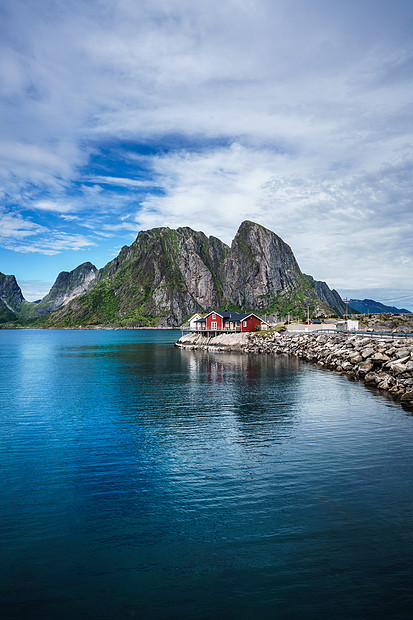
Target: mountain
(6, 315)
(68, 285)
(330, 297)
(258, 267)
(167, 275)
(369, 306)
(11, 298)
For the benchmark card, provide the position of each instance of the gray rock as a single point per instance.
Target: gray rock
(368, 352)
(68, 285)
(371, 378)
(10, 293)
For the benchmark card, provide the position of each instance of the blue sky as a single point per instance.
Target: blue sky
(121, 116)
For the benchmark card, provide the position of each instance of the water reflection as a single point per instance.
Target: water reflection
(146, 481)
(254, 390)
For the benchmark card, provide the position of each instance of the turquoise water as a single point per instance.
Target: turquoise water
(142, 481)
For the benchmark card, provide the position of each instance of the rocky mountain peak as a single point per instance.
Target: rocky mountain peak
(10, 293)
(68, 285)
(258, 266)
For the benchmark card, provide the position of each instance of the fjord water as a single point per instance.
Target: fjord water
(139, 480)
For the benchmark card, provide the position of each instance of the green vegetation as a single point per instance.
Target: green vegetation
(27, 310)
(272, 330)
(18, 323)
(230, 307)
(6, 314)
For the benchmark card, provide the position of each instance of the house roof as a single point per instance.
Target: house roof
(231, 316)
(234, 316)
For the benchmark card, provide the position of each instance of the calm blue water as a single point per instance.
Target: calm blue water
(141, 481)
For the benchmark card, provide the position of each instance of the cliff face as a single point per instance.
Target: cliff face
(258, 267)
(68, 285)
(10, 296)
(330, 297)
(167, 275)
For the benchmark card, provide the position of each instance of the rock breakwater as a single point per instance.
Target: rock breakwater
(382, 362)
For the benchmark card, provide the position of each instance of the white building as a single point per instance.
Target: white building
(191, 321)
(348, 325)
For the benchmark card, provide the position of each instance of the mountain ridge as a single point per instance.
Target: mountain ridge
(167, 274)
(369, 306)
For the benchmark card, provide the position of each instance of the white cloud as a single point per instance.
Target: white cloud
(14, 230)
(356, 228)
(315, 100)
(52, 243)
(34, 289)
(13, 225)
(120, 182)
(53, 205)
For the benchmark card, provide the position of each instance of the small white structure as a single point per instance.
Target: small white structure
(348, 325)
(192, 321)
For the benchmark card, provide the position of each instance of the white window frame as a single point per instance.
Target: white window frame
(213, 316)
(213, 325)
(244, 323)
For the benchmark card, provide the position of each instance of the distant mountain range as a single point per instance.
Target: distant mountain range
(166, 275)
(369, 306)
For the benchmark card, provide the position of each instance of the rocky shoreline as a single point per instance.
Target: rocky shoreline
(379, 361)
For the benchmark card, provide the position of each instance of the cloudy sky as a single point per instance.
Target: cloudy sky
(121, 115)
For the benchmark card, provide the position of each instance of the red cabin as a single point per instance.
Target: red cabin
(230, 322)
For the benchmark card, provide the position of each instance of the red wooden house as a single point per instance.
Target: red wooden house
(230, 322)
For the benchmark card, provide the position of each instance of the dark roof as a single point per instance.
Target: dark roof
(233, 316)
(230, 316)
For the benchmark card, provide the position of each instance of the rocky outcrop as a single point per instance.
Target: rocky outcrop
(10, 293)
(380, 362)
(384, 322)
(222, 342)
(68, 285)
(329, 296)
(258, 267)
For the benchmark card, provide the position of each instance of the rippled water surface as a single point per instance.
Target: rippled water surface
(139, 480)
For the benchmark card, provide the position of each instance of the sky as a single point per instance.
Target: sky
(118, 116)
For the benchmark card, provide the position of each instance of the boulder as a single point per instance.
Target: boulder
(371, 378)
(364, 369)
(380, 357)
(397, 368)
(407, 398)
(368, 352)
(386, 382)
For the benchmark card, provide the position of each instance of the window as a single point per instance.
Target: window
(213, 316)
(213, 325)
(245, 323)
